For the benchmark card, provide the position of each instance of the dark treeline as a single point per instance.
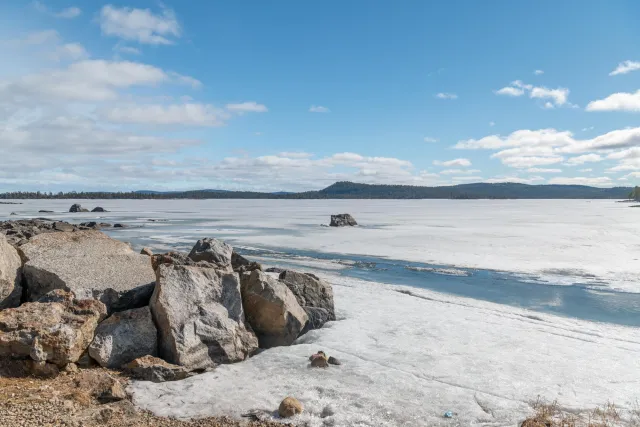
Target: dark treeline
(350, 190)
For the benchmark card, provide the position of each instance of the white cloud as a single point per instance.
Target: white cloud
(69, 51)
(538, 72)
(620, 101)
(127, 50)
(318, 109)
(543, 170)
(558, 97)
(295, 155)
(68, 13)
(32, 39)
(596, 182)
(625, 67)
(510, 91)
(88, 80)
(445, 95)
(587, 129)
(186, 80)
(247, 107)
(430, 139)
(140, 25)
(459, 171)
(455, 162)
(584, 159)
(514, 179)
(585, 170)
(184, 114)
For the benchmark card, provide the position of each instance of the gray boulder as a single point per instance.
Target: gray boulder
(241, 265)
(76, 207)
(124, 337)
(10, 275)
(342, 220)
(272, 310)
(99, 209)
(149, 368)
(200, 318)
(212, 251)
(88, 263)
(317, 318)
(310, 291)
(57, 330)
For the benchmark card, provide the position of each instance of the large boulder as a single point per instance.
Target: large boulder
(272, 309)
(342, 220)
(99, 209)
(241, 265)
(199, 315)
(10, 275)
(56, 330)
(76, 207)
(310, 290)
(213, 251)
(149, 368)
(88, 263)
(124, 337)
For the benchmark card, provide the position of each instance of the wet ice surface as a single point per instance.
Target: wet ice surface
(443, 344)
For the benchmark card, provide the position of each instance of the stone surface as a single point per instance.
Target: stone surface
(149, 368)
(213, 251)
(177, 258)
(10, 275)
(310, 291)
(99, 209)
(317, 318)
(56, 332)
(271, 309)
(275, 270)
(342, 220)
(200, 318)
(146, 251)
(289, 407)
(19, 231)
(319, 362)
(88, 263)
(333, 361)
(76, 207)
(123, 337)
(42, 369)
(101, 385)
(241, 265)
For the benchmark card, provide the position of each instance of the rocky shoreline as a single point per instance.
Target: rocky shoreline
(77, 303)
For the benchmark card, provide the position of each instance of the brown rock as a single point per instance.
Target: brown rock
(149, 368)
(42, 369)
(101, 385)
(146, 251)
(289, 407)
(319, 362)
(271, 309)
(55, 332)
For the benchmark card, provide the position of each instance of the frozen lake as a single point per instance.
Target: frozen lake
(475, 331)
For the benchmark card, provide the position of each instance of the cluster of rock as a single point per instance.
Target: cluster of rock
(342, 220)
(19, 232)
(77, 296)
(76, 207)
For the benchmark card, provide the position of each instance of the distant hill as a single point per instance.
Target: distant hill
(351, 190)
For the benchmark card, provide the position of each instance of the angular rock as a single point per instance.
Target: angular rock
(56, 332)
(200, 318)
(42, 369)
(10, 275)
(212, 251)
(177, 258)
(241, 265)
(123, 337)
(76, 207)
(134, 298)
(275, 270)
(149, 368)
(289, 407)
(271, 309)
(88, 263)
(342, 220)
(317, 318)
(146, 251)
(333, 361)
(310, 290)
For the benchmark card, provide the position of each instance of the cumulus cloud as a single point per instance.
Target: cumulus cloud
(181, 114)
(455, 162)
(538, 72)
(67, 13)
(625, 67)
(318, 109)
(544, 170)
(127, 50)
(584, 159)
(595, 182)
(69, 51)
(33, 39)
(247, 107)
(459, 171)
(514, 179)
(140, 25)
(430, 139)
(621, 101)
(557, 97)
(445, 95)
(585, 170)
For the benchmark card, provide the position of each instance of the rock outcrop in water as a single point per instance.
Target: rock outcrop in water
(342, 220)
(76, 207)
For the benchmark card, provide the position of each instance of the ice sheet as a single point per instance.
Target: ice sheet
(409, 355)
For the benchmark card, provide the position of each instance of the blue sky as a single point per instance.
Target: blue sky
(295, 95)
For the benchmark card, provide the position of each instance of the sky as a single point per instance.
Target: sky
(291, 95)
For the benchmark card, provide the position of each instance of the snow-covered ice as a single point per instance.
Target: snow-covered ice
(410, 357)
